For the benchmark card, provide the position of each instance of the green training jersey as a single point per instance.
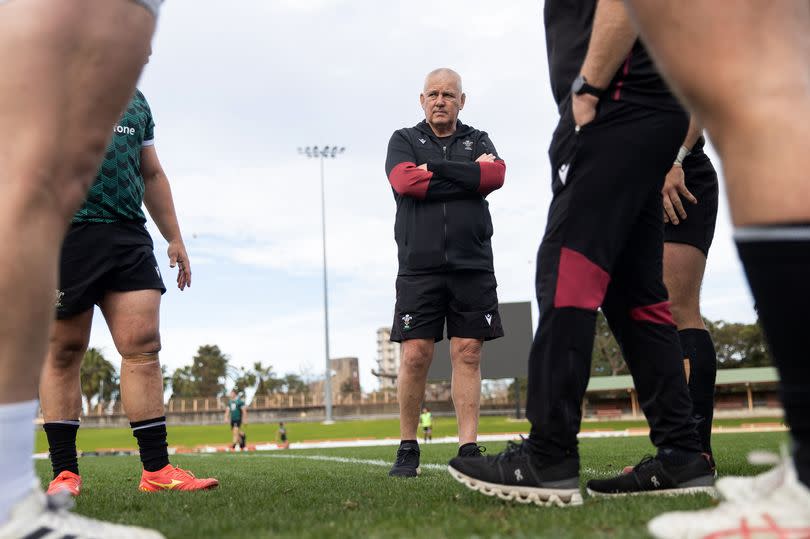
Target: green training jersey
(117, 193)
(235, 406)
(426, 420)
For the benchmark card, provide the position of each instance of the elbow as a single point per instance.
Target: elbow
(493, 176)
(409, 181)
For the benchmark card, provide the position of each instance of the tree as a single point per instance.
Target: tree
(99, 378)
(739, 345)
(606, 358)
(243, 379)
(267, 381)
(294, 384)
(208, 371)
(183, 385)
(347, 387)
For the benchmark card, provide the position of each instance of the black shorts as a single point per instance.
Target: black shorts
(698, 227)
(467, 300)
(236, 423)
(102, 257)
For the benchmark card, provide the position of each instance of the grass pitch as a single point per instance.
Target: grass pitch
(194, 435)
(298, 494)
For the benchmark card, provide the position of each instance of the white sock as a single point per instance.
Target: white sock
(16, 453)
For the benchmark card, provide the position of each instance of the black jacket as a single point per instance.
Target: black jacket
(443, 221)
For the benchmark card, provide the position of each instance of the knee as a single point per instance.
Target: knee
(66, 355)
(468, 355)
(416, 360)
(686, 312)
(144, 343)
(83, 163)
(55, 182)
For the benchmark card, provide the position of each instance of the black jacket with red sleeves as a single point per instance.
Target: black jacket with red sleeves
(443, 221)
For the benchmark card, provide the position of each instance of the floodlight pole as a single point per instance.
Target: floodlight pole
(321, 154)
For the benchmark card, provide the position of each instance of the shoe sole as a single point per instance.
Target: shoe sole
(543, 497)
(711, 491)
(152, 489)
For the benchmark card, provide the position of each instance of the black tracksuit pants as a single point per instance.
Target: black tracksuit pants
(603, 247)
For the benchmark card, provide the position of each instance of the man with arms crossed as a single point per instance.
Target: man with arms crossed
(441, 172)
(58, 103)
(753, 94)
(619, 132)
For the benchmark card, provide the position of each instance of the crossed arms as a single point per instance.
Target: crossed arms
(441, 179)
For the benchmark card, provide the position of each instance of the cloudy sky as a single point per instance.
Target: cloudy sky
(237, 87)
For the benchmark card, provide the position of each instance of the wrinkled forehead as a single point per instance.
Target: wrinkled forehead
(443, 81)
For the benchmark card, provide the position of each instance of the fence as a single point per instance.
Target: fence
(280, 401)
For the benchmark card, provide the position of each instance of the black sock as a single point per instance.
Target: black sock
(403, 442)
(151, 436)
(777, 263)
(699, 350)
(62, 445)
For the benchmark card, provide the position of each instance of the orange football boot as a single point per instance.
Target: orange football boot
(172, 478)
(67, 481)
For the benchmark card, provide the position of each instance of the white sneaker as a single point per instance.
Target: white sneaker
(743, 489)
(783, 513)
(48, 517)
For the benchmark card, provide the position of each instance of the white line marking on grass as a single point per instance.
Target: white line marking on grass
(348, 460)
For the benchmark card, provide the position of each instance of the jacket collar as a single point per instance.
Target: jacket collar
(461, 129)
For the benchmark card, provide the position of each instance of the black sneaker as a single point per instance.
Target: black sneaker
(472, 450)
(516, 474)
(407, 463)
(653, 476)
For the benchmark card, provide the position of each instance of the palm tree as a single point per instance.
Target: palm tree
(99, 378)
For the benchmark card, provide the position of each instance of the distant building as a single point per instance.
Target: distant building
(387, 359)
(345, 375)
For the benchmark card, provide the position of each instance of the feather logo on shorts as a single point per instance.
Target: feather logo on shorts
(407, 319)
(488, 318)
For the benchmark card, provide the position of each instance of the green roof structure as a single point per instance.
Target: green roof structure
(756, 375)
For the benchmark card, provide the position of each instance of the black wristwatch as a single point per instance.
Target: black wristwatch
(580, 86)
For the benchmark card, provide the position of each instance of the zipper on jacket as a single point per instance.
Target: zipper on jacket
(444, 211)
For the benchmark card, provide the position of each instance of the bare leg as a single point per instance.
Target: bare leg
(744, 71)
(465, 355)
(58, 102)
(235, 436)
(413, 368)
(683, 274)
(60, 392)
(134, 319)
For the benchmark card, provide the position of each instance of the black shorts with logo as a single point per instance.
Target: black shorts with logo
(467, 300)
(698, 227)
(236, 423)
(98, 258)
